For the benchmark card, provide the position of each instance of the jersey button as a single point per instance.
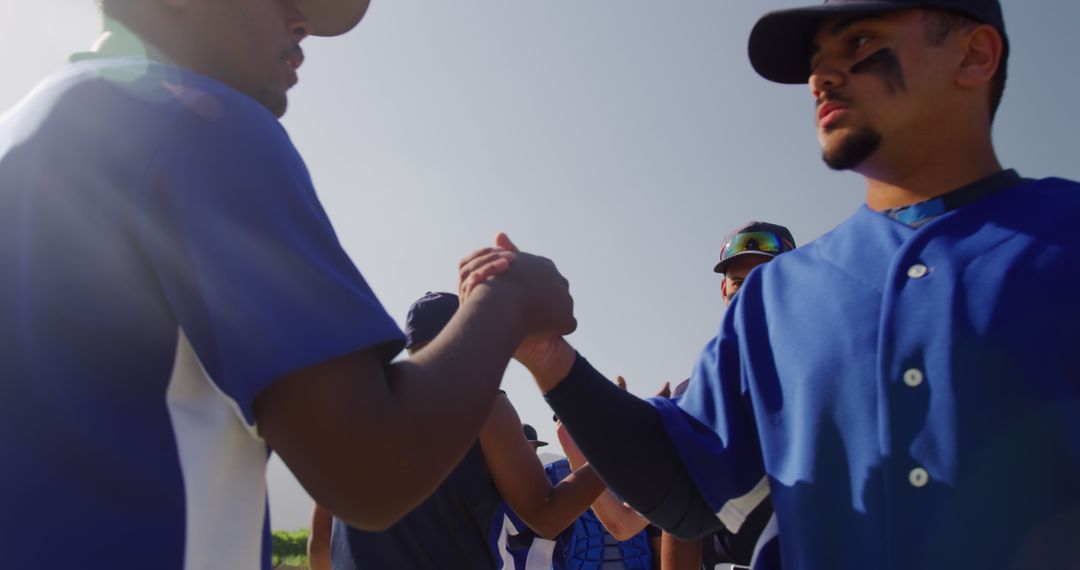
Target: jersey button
(913, 377)
(917, 271)
(918, 477)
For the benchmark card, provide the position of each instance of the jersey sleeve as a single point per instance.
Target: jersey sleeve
(246, 257)
(711, 424)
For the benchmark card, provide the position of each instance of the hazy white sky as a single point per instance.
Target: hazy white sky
(622, 138)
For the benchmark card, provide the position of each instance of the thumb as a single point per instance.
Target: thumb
(665, 390)
(503, 241)
(620, 382)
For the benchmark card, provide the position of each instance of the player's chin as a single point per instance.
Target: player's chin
(277, 102)
(279, 106)
(570, 327)
(844, 149)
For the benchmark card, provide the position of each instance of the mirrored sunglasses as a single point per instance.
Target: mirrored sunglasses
(765, 242)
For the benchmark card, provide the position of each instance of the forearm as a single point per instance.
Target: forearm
(625, 441)
(657, 551)
(567, 501)
(439, 399)
(318, 546)
(417, 417)
(678, 554)
(620, 520)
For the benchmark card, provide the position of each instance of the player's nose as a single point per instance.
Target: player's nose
(824, 78)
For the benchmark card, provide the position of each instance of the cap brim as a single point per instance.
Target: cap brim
(332, 17)
(722, 266)
(781, 42)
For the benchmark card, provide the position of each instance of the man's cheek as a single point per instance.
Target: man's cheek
(885, 65)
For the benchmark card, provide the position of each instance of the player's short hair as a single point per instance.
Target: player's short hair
(941, 23)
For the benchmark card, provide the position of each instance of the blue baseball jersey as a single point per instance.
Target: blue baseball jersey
(583, 545)
(911, 395)
(163, 259)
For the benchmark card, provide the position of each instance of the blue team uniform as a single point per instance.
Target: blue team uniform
(163, 259)
(584, 545)
(911, 394)
(587, 545)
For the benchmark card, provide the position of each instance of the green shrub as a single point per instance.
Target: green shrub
(289, 546)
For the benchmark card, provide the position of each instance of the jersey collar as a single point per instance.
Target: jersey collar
(920, 214)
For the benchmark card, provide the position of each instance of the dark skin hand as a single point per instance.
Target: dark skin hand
(548, 358)
(419, 417)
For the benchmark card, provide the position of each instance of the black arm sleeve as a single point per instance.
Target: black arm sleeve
(625, 442)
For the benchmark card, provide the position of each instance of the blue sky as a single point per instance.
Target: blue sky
(621, 138)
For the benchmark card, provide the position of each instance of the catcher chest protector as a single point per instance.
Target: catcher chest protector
(586, 545)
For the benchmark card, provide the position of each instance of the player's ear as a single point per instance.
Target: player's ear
(983, 49)
(723, 289)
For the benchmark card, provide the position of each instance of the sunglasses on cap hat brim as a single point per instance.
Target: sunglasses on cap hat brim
(761, 242)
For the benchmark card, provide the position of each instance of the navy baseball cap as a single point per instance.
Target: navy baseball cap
(781, 43)
(530, 434)
(427, 317)
(332, 17)
(754, 238)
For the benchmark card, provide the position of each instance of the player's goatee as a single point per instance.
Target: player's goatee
(852, 149)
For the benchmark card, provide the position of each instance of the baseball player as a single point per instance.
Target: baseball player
(907, 384)
(174, 303)
(746, 247)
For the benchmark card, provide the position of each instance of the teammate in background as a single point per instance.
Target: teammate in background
(617, 543)
(745, 248)
(908, 384)
(515, 537)
(174, 302)
(531, 437)
(458, 525)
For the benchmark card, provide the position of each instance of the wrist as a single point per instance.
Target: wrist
(553, 366)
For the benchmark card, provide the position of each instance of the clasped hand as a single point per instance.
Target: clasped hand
(542, 298)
